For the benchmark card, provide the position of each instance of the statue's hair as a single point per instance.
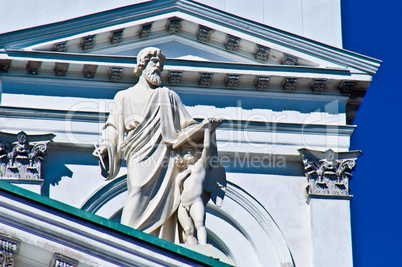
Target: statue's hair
(144, 56)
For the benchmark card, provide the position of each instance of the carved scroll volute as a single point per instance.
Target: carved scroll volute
(328, 173)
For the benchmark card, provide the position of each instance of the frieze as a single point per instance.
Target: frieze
(22, 159)
(328, 173)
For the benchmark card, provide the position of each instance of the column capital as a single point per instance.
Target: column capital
(60, 260)
(21, 156)
(328, 173)
(9, 246)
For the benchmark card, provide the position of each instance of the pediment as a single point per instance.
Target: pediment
(183, 28)
(205, 47)
(187, 40)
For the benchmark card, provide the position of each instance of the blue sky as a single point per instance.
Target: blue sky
(373, 28)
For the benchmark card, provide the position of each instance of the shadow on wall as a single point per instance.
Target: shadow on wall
(55, 165)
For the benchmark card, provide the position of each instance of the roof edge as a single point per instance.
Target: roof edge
(114, 226)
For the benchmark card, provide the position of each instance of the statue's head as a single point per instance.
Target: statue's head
(150, 63)
(188, 154)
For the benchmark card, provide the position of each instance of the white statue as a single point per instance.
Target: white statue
(191, 182)
(145, 126)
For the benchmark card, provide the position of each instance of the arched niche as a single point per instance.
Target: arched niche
(242, 229)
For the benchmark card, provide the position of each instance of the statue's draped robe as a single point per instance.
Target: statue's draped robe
(153, 194)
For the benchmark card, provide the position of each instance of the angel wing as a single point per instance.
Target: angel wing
(215, 183)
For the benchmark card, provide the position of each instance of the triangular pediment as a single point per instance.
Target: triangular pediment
(204, 46)
(182, 29)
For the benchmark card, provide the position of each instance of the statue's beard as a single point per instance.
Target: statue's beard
(153, 76)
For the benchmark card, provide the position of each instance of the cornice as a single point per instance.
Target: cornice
(294, 80)
(170, 63)
(100, 117)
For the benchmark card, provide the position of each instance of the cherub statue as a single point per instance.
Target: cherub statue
(193, 181)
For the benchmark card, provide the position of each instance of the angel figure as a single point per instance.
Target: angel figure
(199, 181)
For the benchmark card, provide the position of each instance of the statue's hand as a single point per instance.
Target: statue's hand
(212, 119)
(100, 151)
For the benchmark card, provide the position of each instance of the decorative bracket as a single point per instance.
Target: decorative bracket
(174, 25)
(174, 77)
(261, 53)
(33, 67)
(232, 81)
(5, 65)
(346, 87)
(204, 34)
(232, 43)
(145, 30)
(289, 84)
(60, 69)
(205, 79)
(261, 83)
(60, 47)
(115, 74)
(88, 42)
(289, 59)
(116, 37)
(318, 86)
(89, 70)
(328, 173)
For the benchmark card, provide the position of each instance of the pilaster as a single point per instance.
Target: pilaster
(328, 175)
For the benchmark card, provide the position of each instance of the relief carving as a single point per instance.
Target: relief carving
(8, 248)
(328, 173)
(21, 159)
